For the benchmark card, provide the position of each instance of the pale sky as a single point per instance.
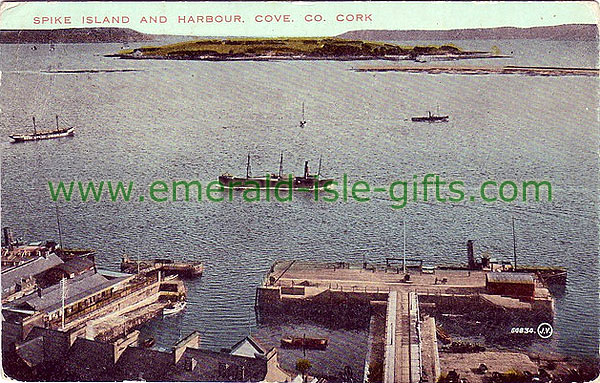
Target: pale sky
(337, 17)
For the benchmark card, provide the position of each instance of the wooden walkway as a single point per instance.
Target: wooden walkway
(402, 361)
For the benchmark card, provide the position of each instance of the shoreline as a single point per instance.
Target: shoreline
(508, 69)
(474, 55)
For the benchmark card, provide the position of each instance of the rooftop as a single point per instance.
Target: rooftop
(76, 288)
(36, 266)
(499, 277)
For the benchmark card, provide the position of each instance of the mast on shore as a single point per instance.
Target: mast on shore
(63, 286)
(59, 230)
(514, 244)
(404, 245)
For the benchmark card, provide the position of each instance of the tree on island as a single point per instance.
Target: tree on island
(303, 365)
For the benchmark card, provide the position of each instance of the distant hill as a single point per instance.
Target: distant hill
(72, 35)
(569, 32)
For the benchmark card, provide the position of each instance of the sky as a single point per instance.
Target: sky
(303, 18)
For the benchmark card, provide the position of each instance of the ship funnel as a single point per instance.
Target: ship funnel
(471, 255)
(306, 173)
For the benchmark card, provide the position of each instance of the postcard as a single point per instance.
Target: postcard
(300, 191)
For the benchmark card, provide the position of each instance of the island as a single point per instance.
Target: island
(73, 36)
(327, 48)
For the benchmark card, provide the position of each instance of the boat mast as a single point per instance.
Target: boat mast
(319, 172)
(57, 122)
(34, 130)
(514, 243)
(281, 166)
(248, 171)
(302, 121)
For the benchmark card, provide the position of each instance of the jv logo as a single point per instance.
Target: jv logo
(545, 330)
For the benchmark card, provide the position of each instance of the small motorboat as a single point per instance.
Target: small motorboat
(430, 118)
(174, 308)
(304, 342)
(148, 342)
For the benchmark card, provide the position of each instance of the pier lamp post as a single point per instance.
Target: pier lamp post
(404, 245)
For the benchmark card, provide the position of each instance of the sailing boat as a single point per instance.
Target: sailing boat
(45, 135)
(302, 121)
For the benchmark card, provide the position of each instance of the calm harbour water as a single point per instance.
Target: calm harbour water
(194, 120)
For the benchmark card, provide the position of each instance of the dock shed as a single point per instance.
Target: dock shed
(518, 285)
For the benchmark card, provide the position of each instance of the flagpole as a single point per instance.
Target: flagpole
(404, 245)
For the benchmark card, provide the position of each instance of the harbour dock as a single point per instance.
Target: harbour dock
(167, 266)
(410, 355)
(63, 319)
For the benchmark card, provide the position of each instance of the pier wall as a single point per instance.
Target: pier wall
(476, 307)
(376, 339)
(124, 328)
(328, 306)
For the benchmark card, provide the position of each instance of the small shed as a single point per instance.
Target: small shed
(518, 285)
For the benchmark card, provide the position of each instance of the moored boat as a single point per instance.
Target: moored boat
(168, 266)
(430, 118)
(273, 181)
(304, 342)
(174, 308)
(43, 135)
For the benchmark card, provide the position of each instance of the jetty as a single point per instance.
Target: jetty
(409, 300)
(168, 266)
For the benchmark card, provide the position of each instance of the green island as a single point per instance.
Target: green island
(327, 48)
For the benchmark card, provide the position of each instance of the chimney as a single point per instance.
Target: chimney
(121, 344)
(471, 255)
(191, 341)
(8, 237)
(305, 169)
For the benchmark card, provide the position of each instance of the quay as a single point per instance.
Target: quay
(409, 351)
(472, 70)
(167, 266)
(63, 319)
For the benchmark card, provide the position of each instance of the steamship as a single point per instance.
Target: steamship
(430, 118)
(306, 181)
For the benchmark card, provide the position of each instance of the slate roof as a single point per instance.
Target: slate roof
(76, 265)
(76, 288)
(34, 267)
(508, 277)
(248, 346)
